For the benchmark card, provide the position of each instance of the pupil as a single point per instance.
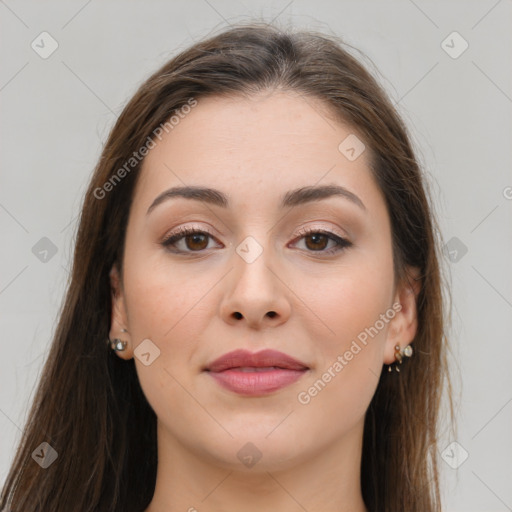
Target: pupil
(316, 238)
(196, 238)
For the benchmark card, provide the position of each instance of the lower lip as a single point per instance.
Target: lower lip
(256, 383)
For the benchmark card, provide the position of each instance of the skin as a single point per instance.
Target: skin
(254, 150)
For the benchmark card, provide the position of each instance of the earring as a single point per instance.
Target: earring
(118, 345)
(399, 353)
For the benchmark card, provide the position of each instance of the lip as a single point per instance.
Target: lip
(254, 374)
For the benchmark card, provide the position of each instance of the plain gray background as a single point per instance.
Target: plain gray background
(57, 111)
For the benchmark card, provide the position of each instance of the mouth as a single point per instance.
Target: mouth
(255, 374)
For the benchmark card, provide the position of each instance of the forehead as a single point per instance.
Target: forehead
(255, 146)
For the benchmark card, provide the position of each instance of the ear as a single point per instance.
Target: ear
(402, 328)
(119, 320)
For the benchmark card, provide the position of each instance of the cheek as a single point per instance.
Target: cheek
(166, 304)
(350, 338)
(349, 349)
(172, 310)
(346, 302)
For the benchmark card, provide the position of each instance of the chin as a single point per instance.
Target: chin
(253, 449)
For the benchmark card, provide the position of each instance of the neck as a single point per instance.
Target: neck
(328, 480)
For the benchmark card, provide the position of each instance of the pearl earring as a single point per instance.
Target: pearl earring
(399, 355)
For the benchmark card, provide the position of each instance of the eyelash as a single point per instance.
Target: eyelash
(173, 238)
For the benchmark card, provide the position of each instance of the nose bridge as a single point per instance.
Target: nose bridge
(255, 292)
(252, 262)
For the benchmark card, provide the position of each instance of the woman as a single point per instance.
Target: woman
(255, 317)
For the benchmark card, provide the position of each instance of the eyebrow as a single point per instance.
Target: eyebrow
(295, 197)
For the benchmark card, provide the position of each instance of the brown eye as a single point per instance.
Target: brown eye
(319, 241)
(187, 240)
(196, 241)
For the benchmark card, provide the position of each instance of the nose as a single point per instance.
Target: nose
(254, 294)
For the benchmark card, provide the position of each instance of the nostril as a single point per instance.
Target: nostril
(271, 314)
(237, 315)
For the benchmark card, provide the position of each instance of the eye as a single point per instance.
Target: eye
(191, 240)
(317, 240)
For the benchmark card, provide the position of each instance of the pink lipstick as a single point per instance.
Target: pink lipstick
(254, 374)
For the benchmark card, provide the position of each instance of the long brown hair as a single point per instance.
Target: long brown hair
(89, 405)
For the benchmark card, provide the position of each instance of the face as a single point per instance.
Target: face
(266, 268)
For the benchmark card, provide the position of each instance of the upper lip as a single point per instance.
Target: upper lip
(264, 358)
